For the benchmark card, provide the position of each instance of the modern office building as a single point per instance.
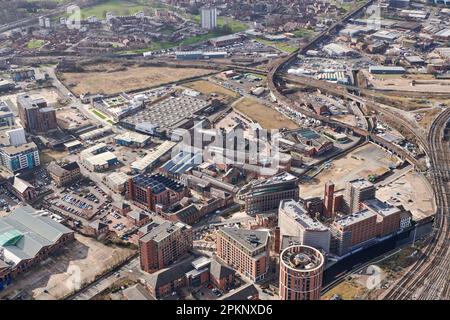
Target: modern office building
(294, 221)
(356, 192)
(155, 192)
(35, 115)
(265, 195)
(301, 270)
(209, 18)
(164, 244)
(16, 158)
(246, 251)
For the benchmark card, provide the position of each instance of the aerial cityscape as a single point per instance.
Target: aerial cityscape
(224, 150)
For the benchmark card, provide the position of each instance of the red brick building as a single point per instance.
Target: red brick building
(154, 192)
(164, 245)
(301, 270)
(246, 251)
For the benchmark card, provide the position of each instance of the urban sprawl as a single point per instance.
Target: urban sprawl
(225, 150)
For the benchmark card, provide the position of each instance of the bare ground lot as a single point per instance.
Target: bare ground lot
(51, 95)
(412, 192)
(368, 159)
(404, 82)
(207, 88)
(125, 79)
(85, 257)
(267, 117)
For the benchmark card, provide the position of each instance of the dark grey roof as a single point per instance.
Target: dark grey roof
(162, 231)
(219, 271)
(138, 215)
(242, 293)
(168, 275)
(98, 225)
(249, 239)
(3, 264)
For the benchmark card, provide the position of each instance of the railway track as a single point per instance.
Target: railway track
(429, 276)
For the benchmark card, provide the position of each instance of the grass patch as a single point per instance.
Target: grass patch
(282, 46)
(304, 33)
(99, 114)
(118, 7)
(35, 44)
(348, 290)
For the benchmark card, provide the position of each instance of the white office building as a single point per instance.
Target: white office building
(294, 221)
(209, 18)
(16, 136)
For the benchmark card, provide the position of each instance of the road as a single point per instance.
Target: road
(74, 101)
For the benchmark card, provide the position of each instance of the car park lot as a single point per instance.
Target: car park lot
(81, 200)
(8, 201)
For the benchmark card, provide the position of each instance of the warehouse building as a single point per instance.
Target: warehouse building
(386, 70)
(225, 40)
(132, 139)
(153, 157)
(28, 237)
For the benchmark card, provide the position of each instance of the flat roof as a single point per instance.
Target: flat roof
(249, 239)
(386, 68)
(72, 143)
(302, 258)
(118, 177)
(11, 150)
(300, 214)
(380, 207)
(361, 183)
(163, 230)
(355, 218)
(101, 158)
(131, 136)
(152, 157)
